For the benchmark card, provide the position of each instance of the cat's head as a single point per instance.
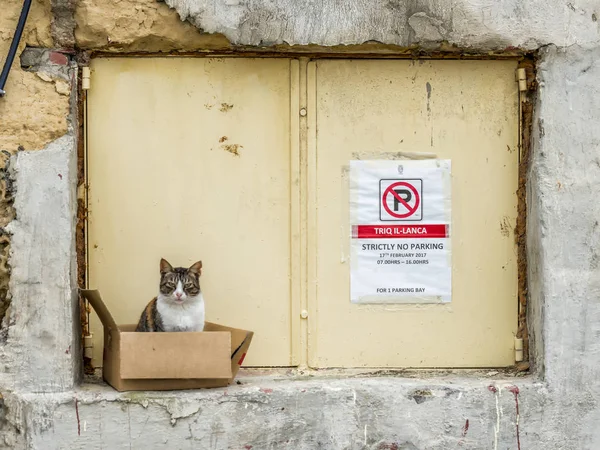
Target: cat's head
(178, 284)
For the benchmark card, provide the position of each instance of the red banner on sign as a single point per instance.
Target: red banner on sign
(400, 231)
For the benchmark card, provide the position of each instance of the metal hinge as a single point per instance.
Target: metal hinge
(82, 191)
(521, 77)
(518, 349)
(85, 78)
(88, 346)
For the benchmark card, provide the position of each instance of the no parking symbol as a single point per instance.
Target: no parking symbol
(401, 200)
(400, 217)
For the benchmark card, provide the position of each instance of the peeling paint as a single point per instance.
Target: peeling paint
(366, 155)
(232, 148)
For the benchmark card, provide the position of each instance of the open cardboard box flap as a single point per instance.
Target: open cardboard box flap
(168, 361)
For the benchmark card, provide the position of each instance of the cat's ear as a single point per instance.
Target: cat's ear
(196, 268)
(165, 267)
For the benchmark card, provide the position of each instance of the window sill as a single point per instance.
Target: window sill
(266, 379)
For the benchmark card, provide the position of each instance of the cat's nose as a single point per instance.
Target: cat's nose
(178, 294)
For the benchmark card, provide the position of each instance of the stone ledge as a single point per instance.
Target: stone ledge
(450, 386)
(274, 412)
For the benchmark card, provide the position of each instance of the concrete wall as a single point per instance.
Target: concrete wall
(556, 406)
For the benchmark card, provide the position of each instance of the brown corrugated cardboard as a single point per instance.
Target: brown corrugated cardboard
(167, 361)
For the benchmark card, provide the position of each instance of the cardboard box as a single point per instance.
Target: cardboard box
(167, 361)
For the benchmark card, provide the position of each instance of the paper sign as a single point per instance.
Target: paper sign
(400, 212)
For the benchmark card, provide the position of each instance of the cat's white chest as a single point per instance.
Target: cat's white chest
(188, 316)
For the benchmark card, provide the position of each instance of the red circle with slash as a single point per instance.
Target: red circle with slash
(411, 209)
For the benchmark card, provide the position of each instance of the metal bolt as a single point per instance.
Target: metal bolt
(304, 314)
(303, 112)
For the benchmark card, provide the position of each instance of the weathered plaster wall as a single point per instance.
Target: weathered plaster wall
(466, 23)
(149, 26)
(37, 337)
(39, 343)
(140, 26)
(360, 413)
(33, 112)
(566, 281)
(557, 404)
(38, 353)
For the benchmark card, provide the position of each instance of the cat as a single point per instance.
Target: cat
(179, 305)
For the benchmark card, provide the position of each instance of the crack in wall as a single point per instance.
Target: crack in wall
(7, 214)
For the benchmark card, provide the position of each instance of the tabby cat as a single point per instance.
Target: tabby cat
(179, 305)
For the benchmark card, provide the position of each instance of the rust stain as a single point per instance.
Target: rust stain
(232, 148)
(465, 428)
(521, 227)
(388, 446)
(84, 307)
(510, 150)
(358, 51)
(515, 391)
(207, 106)
(77, 415)
(225, 107)
(80, 233)
(223, 139)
